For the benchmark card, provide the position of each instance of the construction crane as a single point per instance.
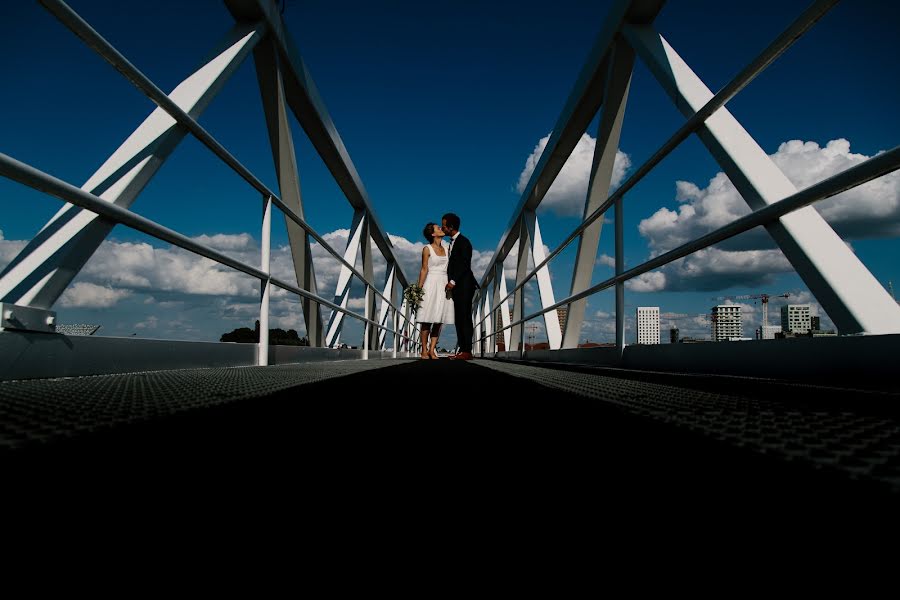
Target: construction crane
(763, 298)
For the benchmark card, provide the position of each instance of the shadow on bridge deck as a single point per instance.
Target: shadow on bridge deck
(483, 431)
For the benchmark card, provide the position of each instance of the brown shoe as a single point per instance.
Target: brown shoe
(464, 356)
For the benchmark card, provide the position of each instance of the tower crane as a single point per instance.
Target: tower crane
(763, 298)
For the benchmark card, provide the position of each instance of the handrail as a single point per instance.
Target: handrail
(44, 182)
(866, 171)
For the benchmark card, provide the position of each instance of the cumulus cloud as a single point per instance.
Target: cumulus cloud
(9, 249)
(751, 259)
(89, 295)
(653, 281)
(605, 260)
(567, 194)
(870, 210)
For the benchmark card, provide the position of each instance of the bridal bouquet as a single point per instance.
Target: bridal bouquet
(413, 296)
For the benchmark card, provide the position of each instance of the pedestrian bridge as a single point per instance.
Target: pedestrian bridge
(805, 415)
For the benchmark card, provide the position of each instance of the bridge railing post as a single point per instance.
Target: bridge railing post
(264, 263)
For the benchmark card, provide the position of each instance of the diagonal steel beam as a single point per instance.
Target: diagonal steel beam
(272, 92)
(310, 111)
(608, 132)
(342, 292)
(583, 103)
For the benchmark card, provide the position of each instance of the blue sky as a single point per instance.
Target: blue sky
(440, 105)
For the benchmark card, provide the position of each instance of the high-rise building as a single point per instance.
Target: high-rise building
(814, 324)
(673, 335)
(648, 325)
(795, 319)
(726, 323)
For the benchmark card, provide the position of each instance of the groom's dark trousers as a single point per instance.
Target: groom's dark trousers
(459, 270)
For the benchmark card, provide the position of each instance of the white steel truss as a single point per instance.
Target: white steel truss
(608, 132)
(39, 275)
(271, 86)
(849, 293)
(342, 292)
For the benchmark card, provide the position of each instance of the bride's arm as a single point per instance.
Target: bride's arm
(424, 270)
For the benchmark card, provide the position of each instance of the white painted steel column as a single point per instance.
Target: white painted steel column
(504, 307)
(478, 330)
(341, 294)
(545, 286)
(518, 331)
(271, 85)
(265, 247)
(620, 286)
(385, 312)
(852, 297)
(395, 345)
(368, 272)
(490, 338)
(45, 267)
(366, 326)
(608, 133)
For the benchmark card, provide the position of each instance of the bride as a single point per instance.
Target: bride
(436, 308)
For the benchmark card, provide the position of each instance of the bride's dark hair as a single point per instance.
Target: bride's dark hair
(428, 232)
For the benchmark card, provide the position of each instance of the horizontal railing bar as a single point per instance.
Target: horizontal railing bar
(44, 182)
(292, 288)
(868, 170)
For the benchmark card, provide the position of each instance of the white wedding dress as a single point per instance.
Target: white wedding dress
(436, 307)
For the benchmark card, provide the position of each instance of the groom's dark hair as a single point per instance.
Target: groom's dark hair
(452, 221)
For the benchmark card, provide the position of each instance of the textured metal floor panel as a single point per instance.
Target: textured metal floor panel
(36, 411)
(852, 438)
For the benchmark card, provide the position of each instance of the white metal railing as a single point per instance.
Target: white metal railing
(604, 80)
(259, 29)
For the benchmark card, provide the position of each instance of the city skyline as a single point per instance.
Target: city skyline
(462, 137)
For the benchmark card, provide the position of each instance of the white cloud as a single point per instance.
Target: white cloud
(150, 322)
(605, 260)
(871, 210)
(653, 281)
(567, 194)
(9, 249)
(89, 295)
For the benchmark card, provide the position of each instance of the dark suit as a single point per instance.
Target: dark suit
(459, 270)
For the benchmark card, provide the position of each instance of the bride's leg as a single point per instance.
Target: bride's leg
(424, 329)
(435, 334)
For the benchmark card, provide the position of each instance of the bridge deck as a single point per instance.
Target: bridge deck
(487, 424)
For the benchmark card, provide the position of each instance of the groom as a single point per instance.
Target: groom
(462, 283)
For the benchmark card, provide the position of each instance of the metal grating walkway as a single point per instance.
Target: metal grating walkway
(41, 411)
(501, 426)
(853, 431)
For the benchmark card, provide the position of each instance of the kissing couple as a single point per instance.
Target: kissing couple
(449, 285)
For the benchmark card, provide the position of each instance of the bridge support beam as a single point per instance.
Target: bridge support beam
(342, 292)
(608, 133)
(518, 331)
(385, 312)
(852, 297)
(545, 287)
(490, 340)
(503, 314)
(271, 86)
